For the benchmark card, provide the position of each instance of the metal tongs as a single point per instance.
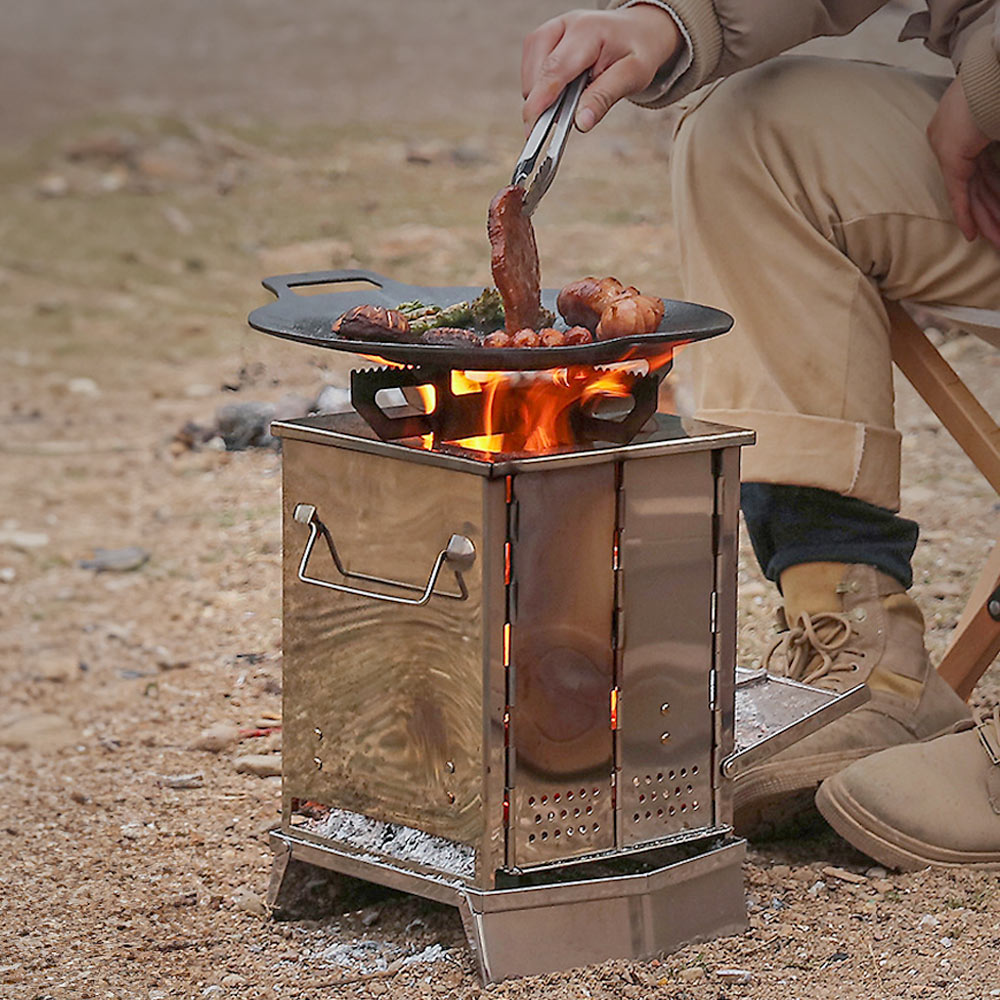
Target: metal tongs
(555, 122)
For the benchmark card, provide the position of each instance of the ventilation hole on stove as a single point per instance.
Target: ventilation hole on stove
(673, 774)
(672, 810)
(563, 814)
(684, 807)
(555, 798)
(569, 796)
(569, 831)
(694, 805)
(684, 772)
(590, 809)
(552, 816)
(677, 790)
(583, 829)
(556, 834)
(538, 817)
(642, 798)
(659, 812)
(635, 818)
(694, 770)
(649, 815)
(690, 789)
(545, 799)
(652, 795)
(531, 838)
(576, 811)
(531, 800)
(635, 781)
(659, 777)
(596, 792)
(596, 827)
(649, 779)
(545, 835)
(583, 793)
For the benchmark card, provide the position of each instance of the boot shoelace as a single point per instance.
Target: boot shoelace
(825, 634)
(988, 726)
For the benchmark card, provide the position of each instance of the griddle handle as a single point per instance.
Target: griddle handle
(459, 553)
(284, 285)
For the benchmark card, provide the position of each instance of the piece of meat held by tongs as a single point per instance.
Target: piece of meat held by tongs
(514, 254)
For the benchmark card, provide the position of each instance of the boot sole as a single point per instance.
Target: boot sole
(771, 801)
(761, 796)
(888, 846)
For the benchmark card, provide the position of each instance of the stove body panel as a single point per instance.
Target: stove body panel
(384, 702)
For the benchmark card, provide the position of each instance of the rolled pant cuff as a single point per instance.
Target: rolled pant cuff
(855, 460)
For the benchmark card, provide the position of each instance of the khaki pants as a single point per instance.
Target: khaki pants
(805, 191)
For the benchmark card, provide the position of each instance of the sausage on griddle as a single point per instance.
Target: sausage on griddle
(581, 302)
(498, 338)
(550, 337)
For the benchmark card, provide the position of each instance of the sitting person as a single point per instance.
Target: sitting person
(806, 191)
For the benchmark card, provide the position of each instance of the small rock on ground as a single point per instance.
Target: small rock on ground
(262, 765)
(217, 737)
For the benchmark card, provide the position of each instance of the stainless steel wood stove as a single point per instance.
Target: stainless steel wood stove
(509, 671)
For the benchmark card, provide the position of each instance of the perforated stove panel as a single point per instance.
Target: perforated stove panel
(571, 819)
(659, 803)
(664, 712)
(561, 664)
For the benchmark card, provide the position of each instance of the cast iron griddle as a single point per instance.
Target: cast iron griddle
(307, 319)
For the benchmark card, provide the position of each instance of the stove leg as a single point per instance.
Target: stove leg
(301, 891)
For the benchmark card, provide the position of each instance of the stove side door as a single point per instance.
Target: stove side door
(383, 702)
(666, 583)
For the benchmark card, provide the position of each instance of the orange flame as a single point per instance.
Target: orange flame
(531, 411)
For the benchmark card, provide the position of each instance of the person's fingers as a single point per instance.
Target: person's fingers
(957, 173)
(621, 78)
(985, 209)
(573, 53)
(536, 48)
(988, 169)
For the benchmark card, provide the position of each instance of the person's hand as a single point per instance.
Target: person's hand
(623, 49)
(971, 173)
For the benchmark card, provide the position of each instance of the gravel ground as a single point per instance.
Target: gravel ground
(136, 227)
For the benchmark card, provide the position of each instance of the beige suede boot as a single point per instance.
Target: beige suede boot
(848, 624)
(935, 803)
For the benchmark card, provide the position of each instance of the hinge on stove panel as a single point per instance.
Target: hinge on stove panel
(720, 497)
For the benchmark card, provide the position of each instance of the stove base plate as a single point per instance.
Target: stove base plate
(558, 925)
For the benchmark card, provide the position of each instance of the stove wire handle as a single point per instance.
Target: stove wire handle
(459, 554)
(556, 120)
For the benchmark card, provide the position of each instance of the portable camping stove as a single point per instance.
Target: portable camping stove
(509, 671)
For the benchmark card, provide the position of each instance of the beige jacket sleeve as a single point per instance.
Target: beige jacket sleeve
(729, 35)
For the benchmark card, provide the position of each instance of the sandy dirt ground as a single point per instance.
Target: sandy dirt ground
(157, 161)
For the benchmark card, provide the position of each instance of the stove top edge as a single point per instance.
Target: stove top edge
(663, 433)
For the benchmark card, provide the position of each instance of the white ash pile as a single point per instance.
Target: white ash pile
(393, 840)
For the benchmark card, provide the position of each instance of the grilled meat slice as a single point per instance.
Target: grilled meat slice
(373, 323)
(514, 260)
